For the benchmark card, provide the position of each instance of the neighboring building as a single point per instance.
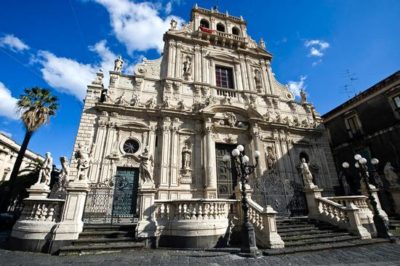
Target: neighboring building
(8, 154)
(368, 124)
(212, 89)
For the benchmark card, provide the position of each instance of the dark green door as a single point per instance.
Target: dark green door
(125, 195)
(226, 174)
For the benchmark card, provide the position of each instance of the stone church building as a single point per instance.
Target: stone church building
(166, 127)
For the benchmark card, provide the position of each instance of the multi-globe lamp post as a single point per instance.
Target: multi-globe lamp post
(361, 166)
(244, 169)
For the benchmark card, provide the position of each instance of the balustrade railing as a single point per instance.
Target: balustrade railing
(361, 202)
(192, 209)
(42, 210)
(226, 92)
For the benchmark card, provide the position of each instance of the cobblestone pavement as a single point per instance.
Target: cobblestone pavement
(383, 254)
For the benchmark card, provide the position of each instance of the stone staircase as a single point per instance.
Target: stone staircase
(394, 226)
(103, 238)
(303, 235)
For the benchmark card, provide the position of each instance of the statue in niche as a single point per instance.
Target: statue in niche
(303, 96)
(230, 119)
(83, 160)
(271, 157)
(391, 175)
(187, 156)
(135, 100)
(150, 103)
(145, 167)
(257, 78)
(306, 173)
(187, 67)
(63, 176)
(45, 170)
(99, 78)
(118, 64)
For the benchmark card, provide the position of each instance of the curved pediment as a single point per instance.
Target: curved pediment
(248, 113)
(135, 125)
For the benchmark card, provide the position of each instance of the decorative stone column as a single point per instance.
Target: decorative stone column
(71, 224)
(210, 161)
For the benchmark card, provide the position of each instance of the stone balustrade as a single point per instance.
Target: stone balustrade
(346, 217)
(42, 210)
(264, 222)
(198, 223)
(361, 202)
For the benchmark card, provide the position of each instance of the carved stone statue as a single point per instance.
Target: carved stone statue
(108, 96)
(230, 119)
(99, 78)
(121, 100)
(166, 103)
(181, 105)
(306, 173)
(135, 100)
(271, 157)
(261, 43)
(173, 24)
(63, 176)
(45, 170)
(118, 64)
(150, 103)
(83, 160)
(186, 156)
(257, 78)
(391, 175)
(303, 96)
(187, 67)
(145, 167)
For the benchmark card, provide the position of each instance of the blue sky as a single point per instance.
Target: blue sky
(316, 44)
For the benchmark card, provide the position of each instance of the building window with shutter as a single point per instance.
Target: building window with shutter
(353, 126)
(224, 77)
(396, 102)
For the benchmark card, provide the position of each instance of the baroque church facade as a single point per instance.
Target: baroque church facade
(164, 129)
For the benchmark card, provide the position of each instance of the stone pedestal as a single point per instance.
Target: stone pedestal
(147, 227)
(395, 191)
(38, 191)
(71, 224)
(311, 195)
(272, 239)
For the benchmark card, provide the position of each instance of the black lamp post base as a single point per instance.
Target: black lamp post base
(381, 227)
(248, 247)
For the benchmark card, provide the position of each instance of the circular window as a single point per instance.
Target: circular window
(131, 146)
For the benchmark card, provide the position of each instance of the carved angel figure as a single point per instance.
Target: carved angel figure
(391, 175)
(45, 170)
(83, 160)
(306, 173)
(145, 167)
(150, 102)
(135, 100)
(187, 66)
(230, 119)
(271, 157)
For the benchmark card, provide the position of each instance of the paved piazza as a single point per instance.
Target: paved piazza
(383, 254)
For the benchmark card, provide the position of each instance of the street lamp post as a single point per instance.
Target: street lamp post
(380, 223)
(244, 169)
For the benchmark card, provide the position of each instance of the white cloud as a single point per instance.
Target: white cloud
(317, 47)
(13, 43)
(137, 25)
(168, 8)
(296, 86)
(65, 74)
(72, 77)
(8, 106)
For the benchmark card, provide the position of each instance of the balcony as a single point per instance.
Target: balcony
(221, 38)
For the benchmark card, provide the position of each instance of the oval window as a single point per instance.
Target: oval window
(131, 146)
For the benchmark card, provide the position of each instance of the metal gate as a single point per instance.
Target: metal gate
(115, 204)
(226, 174)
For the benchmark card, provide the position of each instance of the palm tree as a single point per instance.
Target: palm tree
(36, 105)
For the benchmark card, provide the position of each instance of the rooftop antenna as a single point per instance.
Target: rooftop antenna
(349, 88)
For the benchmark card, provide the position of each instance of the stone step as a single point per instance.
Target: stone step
(313, 236)
(317, 247)
(104, 234)
(291, 226)
(99, 248)
(297, 229)
(96, 241)
(316, 231)
(314, 241)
